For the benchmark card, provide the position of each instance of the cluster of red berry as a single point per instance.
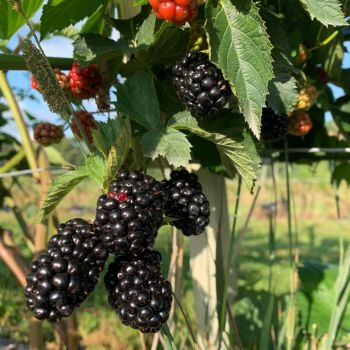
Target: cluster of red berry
(176, 11)
(83, 83)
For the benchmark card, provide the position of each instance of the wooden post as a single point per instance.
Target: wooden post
(202, 258)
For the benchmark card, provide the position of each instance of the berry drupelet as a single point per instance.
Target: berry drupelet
(138, 292)
(273, 125)
(131, 213)
(186, 202)
(62, 277)
(200, 85)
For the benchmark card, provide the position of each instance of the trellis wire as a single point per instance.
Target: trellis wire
(310, 150)
(30, 171)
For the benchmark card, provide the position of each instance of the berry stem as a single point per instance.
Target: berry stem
(14, 62)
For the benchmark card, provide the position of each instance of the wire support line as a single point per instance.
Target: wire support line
(310, 150)
(30, 171)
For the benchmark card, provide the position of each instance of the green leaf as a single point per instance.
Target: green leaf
(61, 186)
(341, 173)
(283, 92)
(128, 28)
(328, 12)
(11, 20)
(145, 34)
(137, 99)
(231, 137)
(241, 49)
(168, 143)
(55, 157)
(95, 22)
(169, 46)
(140, 2)
(96, 47)
(58, 14)
(111, 167)
(111, 132)
(316, 298)
(118, 151)
(95, 168)
(334, 60)
(168, 101)
(341, 116)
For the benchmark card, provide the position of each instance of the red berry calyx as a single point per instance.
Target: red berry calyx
(119, 196)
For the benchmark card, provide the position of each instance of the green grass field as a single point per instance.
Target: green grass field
(315, 225)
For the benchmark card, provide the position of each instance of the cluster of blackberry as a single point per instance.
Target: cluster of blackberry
(200, 85)
(62, 277)
(126, 224)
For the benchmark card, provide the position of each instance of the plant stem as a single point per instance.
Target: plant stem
(15, 62)
(12, 162)
(18, 117)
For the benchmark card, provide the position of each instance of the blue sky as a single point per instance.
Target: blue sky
(62, 47)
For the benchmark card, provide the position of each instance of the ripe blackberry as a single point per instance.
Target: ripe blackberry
(130, 213)
(87, 123)
(273, 125)
(138, 292)
(47, 134)
(200, 85)
(186, 202)
(62, 277)
(84, 82)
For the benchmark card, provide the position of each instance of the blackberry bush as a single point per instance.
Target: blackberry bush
(138, 292)
(130, 213)
(273, 126)
(62, 277)
(186, 202)
(200, 85)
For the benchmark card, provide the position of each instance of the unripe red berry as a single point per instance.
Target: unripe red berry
(167, 10)
(84, 82)
(48, 134)
(181, 13)
(87, 123)
(183, 2)
(299, 123)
